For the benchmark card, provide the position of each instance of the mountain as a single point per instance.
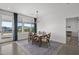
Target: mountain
(6, 29)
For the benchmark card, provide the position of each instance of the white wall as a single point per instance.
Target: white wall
(55, 25)
(55, 22)
(51, 16)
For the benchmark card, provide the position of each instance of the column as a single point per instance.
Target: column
(35, 25)
(15, 27)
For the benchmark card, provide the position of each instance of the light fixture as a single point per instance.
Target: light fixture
(37, 15)
(8, 8)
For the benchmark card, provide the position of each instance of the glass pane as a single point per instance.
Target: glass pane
(24, 26)
(19, 27)
(32, 27)
(6, 27)
(27, 27)
(6, 30)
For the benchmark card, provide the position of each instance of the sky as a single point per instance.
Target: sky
(7, 24)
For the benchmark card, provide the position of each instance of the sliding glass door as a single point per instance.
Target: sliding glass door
(28, 27)
(6, 26)
(25, 25)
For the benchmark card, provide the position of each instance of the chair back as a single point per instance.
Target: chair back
(49, 35)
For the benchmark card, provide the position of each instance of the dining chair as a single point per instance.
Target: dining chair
(30, 36)
(46, 39)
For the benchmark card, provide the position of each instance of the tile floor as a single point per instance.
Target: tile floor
(23, 48)
(10, 49)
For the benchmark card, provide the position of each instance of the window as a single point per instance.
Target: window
(19, 27)
(32, 27)
(6, 27)
(28, 27)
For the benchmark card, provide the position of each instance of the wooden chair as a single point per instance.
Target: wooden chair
(35, 39)
(46, 39)
(30, 36)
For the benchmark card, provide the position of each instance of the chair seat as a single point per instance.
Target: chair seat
(44, 40)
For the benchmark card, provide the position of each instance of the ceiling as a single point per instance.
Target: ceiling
(43, 8)
(25, 8)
